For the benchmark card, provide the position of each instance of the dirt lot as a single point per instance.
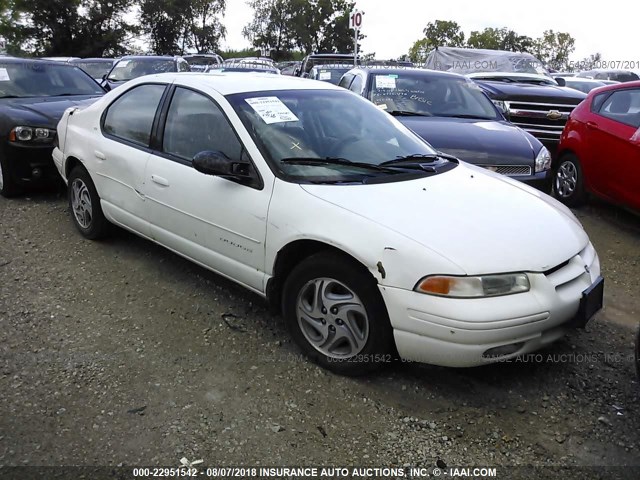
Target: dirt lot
(120, 352)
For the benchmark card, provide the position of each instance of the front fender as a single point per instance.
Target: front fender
(392, 259)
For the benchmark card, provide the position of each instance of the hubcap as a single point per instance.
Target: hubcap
(81, 203)
(566, 179)
(332, 318)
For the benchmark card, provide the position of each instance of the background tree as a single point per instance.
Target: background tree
(271, 27)
(206, 26)
(554, 48)
(305, 25)
(81, 27)
(441, 33)
(500, 39)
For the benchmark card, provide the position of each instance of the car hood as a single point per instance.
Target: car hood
(528, 92)
(42, 111)
(482, 222)
(482, 142)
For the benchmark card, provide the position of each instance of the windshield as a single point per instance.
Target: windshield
(202, 61)
(431, 95)
(297, 129)
(41, 79)
(95, 69)
(328, 74)
(583, 86)
(129, 69)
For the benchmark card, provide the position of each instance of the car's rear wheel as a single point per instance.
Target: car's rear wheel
(335, 314)
(84, 202)
(8, 187)
(568, 183)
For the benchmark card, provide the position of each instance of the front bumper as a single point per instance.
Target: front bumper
(30, 165)
(458, 332)
(540, 181)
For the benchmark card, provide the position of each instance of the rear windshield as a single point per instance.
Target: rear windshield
(44, 79)
(95, 69)
(128, 69)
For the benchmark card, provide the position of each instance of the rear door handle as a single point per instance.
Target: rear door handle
(99, 155)
(592, 125)
(159, 180)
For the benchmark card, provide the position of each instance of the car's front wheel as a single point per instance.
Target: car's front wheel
(568, 183)
(336, 315)
(8, 187)
(84, 202)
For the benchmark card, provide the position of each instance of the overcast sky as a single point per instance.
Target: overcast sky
(391, 26)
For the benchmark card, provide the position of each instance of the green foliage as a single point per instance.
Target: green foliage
(500, 39)
(308, 26)
(177, 25)
(81, 27)
(554, 48)
(441, 33)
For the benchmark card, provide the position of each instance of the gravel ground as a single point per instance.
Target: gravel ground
(122, 353)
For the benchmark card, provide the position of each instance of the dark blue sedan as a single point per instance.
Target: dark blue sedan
(453, 114)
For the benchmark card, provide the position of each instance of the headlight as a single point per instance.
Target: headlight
(32, 134)
(543, 160)
(502, 106)
(474, 287)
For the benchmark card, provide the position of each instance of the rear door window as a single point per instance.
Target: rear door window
(130, 117)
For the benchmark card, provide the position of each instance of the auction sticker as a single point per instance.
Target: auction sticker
(384, 81)
(271, 109)
(123, 63)
(324, 75)
(4, 75)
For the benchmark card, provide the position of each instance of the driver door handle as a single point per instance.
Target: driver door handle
(159, 180)
(592, 125)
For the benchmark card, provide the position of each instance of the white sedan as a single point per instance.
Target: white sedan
(373, 244)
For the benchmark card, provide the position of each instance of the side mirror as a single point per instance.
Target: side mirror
(561, 81)
(217, 163)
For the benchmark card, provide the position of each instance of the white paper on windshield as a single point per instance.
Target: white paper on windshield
(4, 75)
(636, 136)
(383, 81)
(271, 110)
(123, 63)
(325, 75)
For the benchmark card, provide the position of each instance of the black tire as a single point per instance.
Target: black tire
(93, 225)
(568, 190)
(8, 187)
(340, 271)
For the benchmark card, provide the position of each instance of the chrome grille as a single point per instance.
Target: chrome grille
(510, 170)
(543, 120)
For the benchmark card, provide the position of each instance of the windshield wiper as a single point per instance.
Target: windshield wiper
(407, 113)
(314, 161)
(420, 161)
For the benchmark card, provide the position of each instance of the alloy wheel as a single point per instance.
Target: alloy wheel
(566, 179)
(332, 318)
(81, 203)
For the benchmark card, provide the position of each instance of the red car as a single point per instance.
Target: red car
(599, 149)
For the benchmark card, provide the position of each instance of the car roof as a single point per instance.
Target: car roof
(228, 83)
(96, 59)
(617, 86)
(412, 70)
(583, 79)
(39, 61)
(142, 57)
